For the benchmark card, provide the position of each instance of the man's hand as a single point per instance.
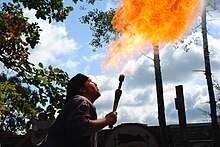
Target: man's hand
(111, 118)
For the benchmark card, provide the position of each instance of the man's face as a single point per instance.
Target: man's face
(92, 89)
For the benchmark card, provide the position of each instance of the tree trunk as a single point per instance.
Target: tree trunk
(208, 75)
(160, 99)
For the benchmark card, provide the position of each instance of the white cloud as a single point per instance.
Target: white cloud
(55, 46)
(69, 65)
(93, 57)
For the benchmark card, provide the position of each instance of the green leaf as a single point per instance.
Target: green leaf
(69, 8)
(57, 70)
(41, 65)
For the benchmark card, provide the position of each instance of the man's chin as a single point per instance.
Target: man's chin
(98, 94)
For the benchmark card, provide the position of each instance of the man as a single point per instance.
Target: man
(77, 124)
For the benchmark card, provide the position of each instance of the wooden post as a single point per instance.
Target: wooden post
(180, 106)
(160, 99)
(208, 75)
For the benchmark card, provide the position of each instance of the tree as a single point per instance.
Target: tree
(19, 103)
(101, 27)
(208, 75)
(16, 35)
(50, 9)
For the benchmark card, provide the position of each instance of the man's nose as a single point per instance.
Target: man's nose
(94, 83)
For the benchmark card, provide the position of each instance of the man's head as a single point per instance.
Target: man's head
(82, 85)
(75, 84)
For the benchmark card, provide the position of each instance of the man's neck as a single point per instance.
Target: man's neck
(88, 97)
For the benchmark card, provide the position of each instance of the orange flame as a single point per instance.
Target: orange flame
(149, 21)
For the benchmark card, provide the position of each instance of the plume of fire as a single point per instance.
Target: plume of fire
(153, 22)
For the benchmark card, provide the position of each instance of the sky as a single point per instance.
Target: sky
(66, 46)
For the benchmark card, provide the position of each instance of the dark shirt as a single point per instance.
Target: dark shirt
(70, 125)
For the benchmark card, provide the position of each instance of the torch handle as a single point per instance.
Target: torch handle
(118, 93)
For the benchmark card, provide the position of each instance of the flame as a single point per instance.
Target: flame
(149, 21)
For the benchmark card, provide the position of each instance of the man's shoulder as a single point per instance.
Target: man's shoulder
(81, 100)
(77, 100)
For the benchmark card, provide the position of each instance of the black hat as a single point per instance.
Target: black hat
(75, 84)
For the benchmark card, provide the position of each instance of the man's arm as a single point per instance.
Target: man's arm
(98, 124)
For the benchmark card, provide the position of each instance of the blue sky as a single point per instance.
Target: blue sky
(66, 45)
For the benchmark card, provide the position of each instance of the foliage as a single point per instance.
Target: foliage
(101, 27)
(212, 4)
(15, 36)
(50, 9)
(47, 10)
(44, 86)
(50, 84)
(17, 103)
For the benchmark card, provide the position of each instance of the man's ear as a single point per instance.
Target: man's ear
(82, 90)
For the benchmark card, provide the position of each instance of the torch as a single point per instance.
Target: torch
(118, 93)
